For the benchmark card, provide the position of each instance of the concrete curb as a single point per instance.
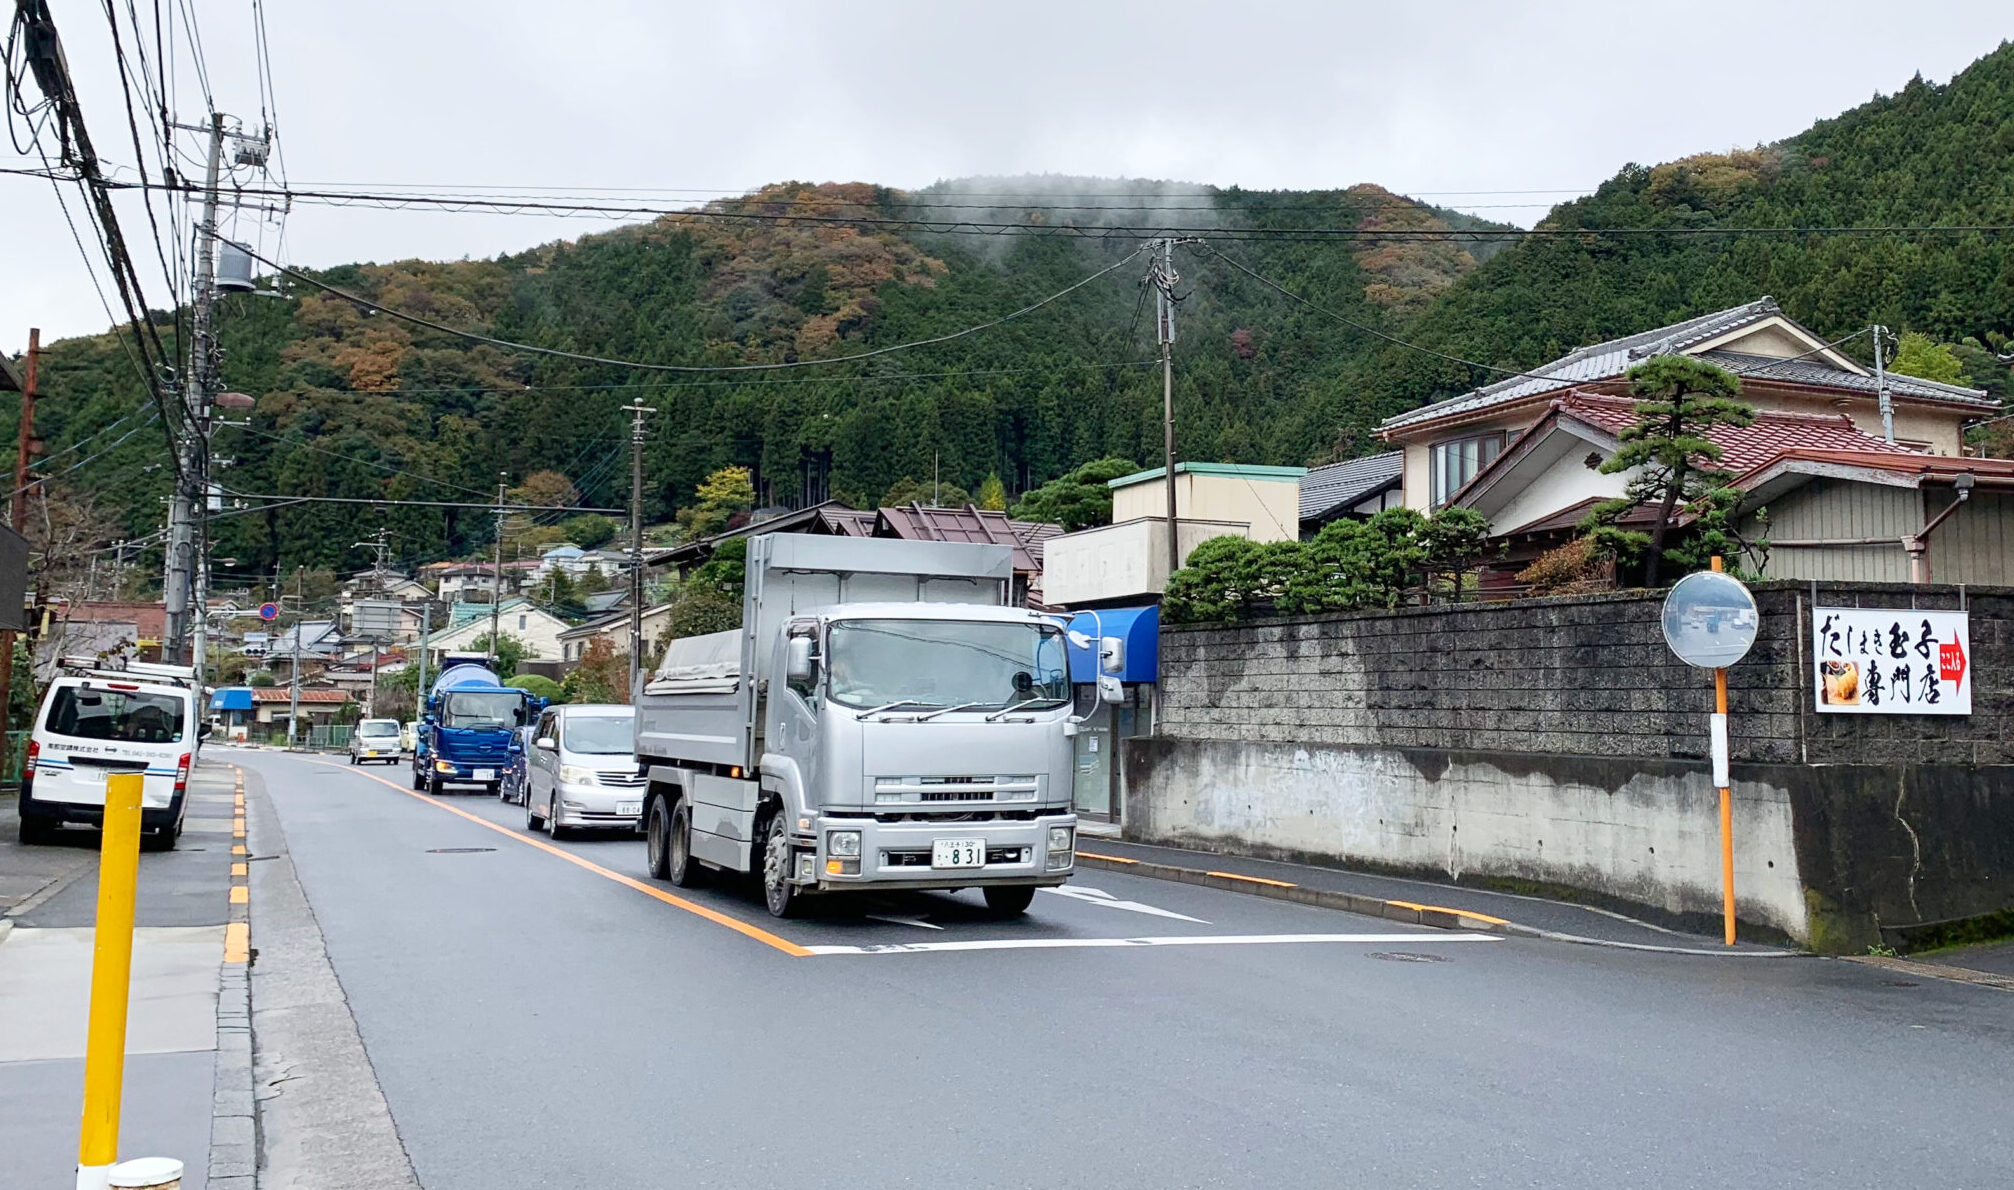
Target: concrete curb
(1902, 966)
(234, 1132)
(1410, 912)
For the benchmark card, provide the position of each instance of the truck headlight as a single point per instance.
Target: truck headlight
(843, 843)
(571, 774)
(1062, 842)
(442, 766)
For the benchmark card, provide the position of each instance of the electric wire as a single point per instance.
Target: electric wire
(430, 324)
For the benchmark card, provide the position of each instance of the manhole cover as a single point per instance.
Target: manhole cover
(457, 850)
(1405, 956)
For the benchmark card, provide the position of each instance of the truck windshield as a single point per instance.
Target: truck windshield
(136, 716)
(599, 735)
(942, 663)
(482, 708)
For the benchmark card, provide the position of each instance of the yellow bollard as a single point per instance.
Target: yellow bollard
(111, 982)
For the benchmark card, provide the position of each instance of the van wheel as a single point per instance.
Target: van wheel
(778, 893)
(684, 871)
(532, 822)
(1010, 900)
(34, 831)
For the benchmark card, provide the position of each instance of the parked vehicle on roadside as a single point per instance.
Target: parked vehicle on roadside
(469, 730)
(376, 740)
(580, 771)
(96, 722)
(409, 735)
(882, 719)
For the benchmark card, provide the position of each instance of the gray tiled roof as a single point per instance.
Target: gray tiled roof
(1325, 489)
(1605, 361)
(1812, 371)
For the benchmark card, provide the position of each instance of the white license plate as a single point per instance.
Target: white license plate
(485, 775)
(629, 807)
(958, 853)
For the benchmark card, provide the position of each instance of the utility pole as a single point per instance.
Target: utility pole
(496, 575)
(426, 630)
(637, 411)
(1161, 275)
(1881, 389)
(192, 446)
(294, 697)
(18, 517)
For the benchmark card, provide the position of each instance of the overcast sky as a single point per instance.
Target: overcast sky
(1443, 101)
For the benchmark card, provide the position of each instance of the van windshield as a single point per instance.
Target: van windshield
(136, 716)
(485, 708)
(600, 735)
(378, 727)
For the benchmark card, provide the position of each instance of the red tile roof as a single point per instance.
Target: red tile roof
(282, 694)
(1744, 448)
(983, 526)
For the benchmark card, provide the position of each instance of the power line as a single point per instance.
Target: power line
(887, 378)
(430, 324)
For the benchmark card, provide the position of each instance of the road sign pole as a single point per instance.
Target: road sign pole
(1726, 806)
(111, 982)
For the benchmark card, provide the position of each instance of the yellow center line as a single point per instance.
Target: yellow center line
(240, 895)
(237, 849)
(713, 915)
(241, 869)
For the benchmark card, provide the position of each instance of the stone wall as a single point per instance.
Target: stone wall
(1559, 741)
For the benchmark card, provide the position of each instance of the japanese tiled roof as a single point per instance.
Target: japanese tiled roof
(282, 694)
(1338, 485)
(1609, 360)
(1743, 447)
(981, 526)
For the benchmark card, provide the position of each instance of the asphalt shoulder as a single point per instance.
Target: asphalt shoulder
(1455, 906)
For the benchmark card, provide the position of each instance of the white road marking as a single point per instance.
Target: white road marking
(903, 921)
(1178, 940)
(1092, 896)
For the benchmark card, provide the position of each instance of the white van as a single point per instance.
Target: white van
(95, 724)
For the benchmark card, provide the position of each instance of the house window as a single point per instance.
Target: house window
(1457, 461)
(520, 623)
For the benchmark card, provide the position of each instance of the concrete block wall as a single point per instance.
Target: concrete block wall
(1280, 737)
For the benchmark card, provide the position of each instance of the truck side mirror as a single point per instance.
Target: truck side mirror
(797, 659)
(1112, 655)
(1111, 689)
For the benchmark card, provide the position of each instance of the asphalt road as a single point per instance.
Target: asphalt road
(535, 1018)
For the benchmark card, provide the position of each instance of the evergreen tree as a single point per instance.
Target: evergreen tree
(992, 493)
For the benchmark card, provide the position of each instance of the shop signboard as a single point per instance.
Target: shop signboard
(1891, 661)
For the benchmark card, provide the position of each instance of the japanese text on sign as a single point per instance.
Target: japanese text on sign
(1887, 661)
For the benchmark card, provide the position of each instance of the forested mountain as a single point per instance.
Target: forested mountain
(351, 401)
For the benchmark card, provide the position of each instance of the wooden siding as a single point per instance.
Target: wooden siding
(1833, 510)
(1976, 543)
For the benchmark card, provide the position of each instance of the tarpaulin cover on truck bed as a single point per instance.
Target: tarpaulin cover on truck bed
(709, 664)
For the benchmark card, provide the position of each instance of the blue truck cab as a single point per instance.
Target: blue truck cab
(469, 727)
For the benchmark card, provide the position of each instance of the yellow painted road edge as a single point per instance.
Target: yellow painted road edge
(238, 926)
(1239, 877)
(677, 902)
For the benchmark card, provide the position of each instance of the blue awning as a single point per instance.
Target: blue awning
(231, 698)
(1139, 627)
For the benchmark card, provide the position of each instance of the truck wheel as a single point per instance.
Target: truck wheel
(778, 893)
(656, 840)
(434, 786)
(419, 780)
(1010, 900)
(684, 871)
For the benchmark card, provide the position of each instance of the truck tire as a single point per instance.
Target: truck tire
(681, 869)
(1010, 900)
(419, 779)
(778, 893)
(435, 786)
(656, 839)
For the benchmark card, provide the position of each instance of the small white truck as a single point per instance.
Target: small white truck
(882, 719)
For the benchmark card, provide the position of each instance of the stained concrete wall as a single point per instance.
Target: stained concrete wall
(1558, 741)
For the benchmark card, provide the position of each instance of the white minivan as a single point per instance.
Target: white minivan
(93, 725)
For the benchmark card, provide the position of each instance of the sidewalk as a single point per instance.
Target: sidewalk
(1428, 902)
(48, 897)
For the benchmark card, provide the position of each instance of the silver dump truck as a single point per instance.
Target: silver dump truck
(881, 720)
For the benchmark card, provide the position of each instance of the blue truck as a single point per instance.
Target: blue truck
(469, 728)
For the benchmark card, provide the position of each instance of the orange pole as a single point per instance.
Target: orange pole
(1726, 812)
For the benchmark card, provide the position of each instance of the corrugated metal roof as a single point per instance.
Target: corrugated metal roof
(981, 526)
(1337, 485)
(1606, 361)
